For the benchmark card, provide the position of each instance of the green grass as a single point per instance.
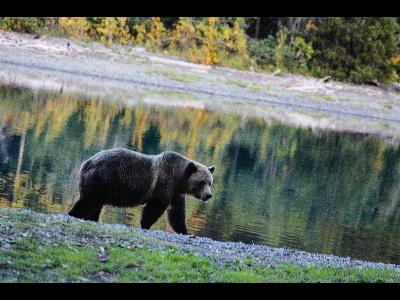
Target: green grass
(35, 249)
(32, 261)
(169, 94)
(234, 61)
(387, 106)
(180, 77)
(327, 98)
(384, 124)
(237, 83)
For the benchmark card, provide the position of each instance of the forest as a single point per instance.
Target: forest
(362, 50)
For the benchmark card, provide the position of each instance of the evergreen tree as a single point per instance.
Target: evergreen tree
(356, 49)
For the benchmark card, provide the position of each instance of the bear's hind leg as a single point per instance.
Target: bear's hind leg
(94, 216)
(85, 209)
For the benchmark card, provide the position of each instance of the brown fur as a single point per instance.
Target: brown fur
(124, 178)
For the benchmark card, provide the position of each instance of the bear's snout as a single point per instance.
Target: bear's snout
(207, 196)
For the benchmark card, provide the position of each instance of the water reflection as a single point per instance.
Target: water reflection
(277, 185)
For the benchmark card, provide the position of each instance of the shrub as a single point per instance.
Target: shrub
(23, 24)
(281, 49)
(183, 36)
(303, 53)
(263, 51)
(111, 30)
(151, 34)
(356, 49)
(394, 63)
(209, 40)
(291, 56)
(75, 27)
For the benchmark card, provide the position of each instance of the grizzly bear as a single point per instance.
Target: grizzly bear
(124, 178)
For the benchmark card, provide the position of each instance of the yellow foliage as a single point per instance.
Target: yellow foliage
(311, 26)
(152, 39)
(281, 41)
(395, 60)
(235, 38)
(157, 33)
(210, 42)
(109, 30)
(75, 27)
(157, 29)
(112, 30)
(183, 36)
(207, 41)
(140, 38)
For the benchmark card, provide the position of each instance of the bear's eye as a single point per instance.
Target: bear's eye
(201, 183)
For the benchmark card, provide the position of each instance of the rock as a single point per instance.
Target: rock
(102, 256)
(84, 279)
(7, 246)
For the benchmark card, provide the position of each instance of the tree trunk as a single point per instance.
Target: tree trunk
(294, 26)
(257, 27)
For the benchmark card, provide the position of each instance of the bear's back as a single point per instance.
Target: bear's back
(118, 173)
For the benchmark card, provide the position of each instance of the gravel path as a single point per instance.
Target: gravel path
(54, 227)
(135, 75)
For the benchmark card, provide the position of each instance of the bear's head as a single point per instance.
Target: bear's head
(199, 181)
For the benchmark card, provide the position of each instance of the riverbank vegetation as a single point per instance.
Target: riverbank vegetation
(355, 49)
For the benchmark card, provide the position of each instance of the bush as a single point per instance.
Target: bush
(112, 30)
(209, 40)
(303, 54)
(75, 27)
(394, 63)
(291, 56)
(263, 51)
(23, 24)
(356, 49)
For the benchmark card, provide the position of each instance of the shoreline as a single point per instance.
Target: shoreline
(25, 234)
(267, 256)
(117, 73)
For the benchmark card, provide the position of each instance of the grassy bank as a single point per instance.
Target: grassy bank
(37, 248)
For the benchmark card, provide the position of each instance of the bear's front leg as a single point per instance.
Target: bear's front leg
(151, 212)
(176, 214)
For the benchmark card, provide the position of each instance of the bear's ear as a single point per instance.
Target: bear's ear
(190, 169)
(211, 169)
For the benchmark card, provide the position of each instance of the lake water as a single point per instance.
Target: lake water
(327, 192)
